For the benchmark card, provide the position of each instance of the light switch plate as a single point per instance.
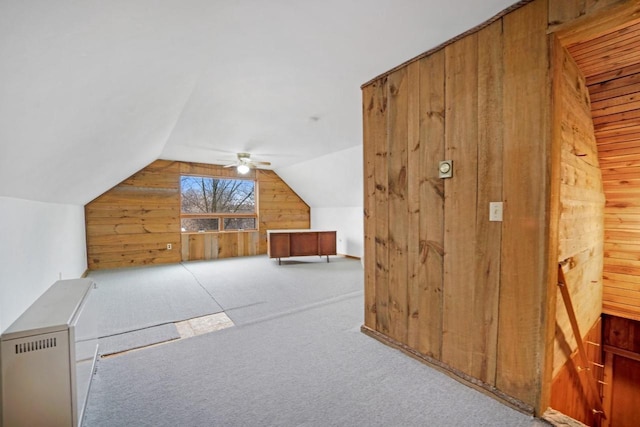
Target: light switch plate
(495, 211)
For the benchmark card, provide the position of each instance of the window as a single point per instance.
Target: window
(217, 204)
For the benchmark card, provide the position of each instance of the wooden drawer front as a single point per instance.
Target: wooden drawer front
(327, 243)
(279, 245)
(303, 244)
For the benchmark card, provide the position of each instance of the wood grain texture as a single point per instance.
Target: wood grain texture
(591, 388)
(278, 206)
(490, 168)
(625, 392)
(580, 230)
(568, 11)
(370, 120)
(622, 333)
(557, 57)
(462, 331)
(580, 20)
(498, 129)
(397, 98)
(226, 244)
(523, 287)
(454, 258)
(621, 339)
(379, 143)
(568, 390)
(611, 64)
(414, 170)
(430, 259)
(131, 224)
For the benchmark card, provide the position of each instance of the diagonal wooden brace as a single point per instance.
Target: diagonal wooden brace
(566, 297)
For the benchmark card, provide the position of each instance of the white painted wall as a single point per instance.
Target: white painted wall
(332, 185)
(348, 223)
(39, 243)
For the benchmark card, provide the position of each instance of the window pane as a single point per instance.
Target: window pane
(239, 223)
(213, 195)
(199, 224)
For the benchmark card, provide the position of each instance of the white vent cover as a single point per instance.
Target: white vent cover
(36, 345)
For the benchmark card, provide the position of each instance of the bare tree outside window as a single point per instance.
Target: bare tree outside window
(212, 195)
(208, 195)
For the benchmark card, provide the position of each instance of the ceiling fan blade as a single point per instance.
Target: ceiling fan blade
(261, 163)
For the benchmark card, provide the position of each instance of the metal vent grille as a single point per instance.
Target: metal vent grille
(37, 345)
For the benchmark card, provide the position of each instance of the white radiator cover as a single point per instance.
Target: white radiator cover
(43, 356)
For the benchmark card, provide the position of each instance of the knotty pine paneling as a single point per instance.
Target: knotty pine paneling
(379, 143)
(481, 298)
(413, 203)
(397, 143)
(431, 192)
(370, 109)
(586, 20)
(523, 320)
(279, 207)
(611, 63)
(460, 241)
(567, 11)
(581, 198)
(622, 333)
(438, 277)
(131, 224)
(227, 244)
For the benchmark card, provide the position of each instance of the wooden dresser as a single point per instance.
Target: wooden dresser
(289, 243)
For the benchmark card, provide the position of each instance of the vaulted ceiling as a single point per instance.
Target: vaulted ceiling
(92, 91)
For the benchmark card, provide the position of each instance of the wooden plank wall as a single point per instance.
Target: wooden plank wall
(618, 134)
(606, 51)
(563, 12)
(440, 279)
(279, 207)
(226, 244)
(622, 334)
(624, 400)
(580, 230)
(523, 318)
(131, 224)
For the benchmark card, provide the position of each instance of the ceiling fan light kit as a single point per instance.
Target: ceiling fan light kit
(244, 163)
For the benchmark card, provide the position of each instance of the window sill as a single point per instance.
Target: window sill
(220, 232)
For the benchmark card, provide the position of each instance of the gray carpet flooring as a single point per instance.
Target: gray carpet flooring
(251, 288)
(295, 358)
(137, 339)
(137, 298)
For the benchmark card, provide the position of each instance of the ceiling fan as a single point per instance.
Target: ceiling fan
(244, 163)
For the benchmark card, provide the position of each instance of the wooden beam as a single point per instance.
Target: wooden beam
(591, 26)
(620, 352)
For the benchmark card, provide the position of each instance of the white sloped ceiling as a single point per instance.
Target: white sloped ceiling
(91, 91)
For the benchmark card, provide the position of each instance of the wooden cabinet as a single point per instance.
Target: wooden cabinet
(288, 243)
(278, 246)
